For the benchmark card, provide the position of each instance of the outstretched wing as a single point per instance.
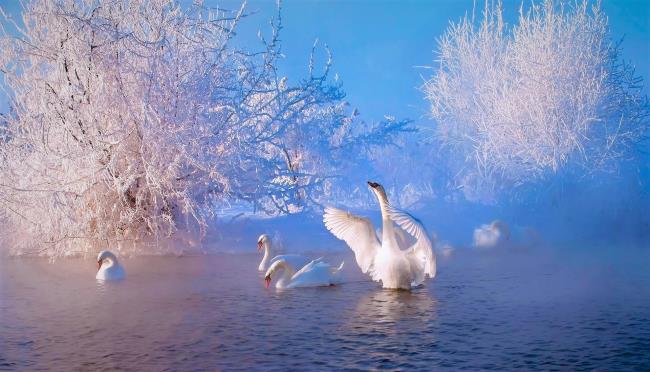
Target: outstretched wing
(357, 232)
(420, 254)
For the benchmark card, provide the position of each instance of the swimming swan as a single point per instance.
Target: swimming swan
(493, 235)
(264, 242)
(317, 273)
(391, 261)
(108, 268)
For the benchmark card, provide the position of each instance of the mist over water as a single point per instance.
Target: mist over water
(569, 289)
(486, 310)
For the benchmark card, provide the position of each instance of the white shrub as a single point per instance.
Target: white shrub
(519, 103)
(130, 119)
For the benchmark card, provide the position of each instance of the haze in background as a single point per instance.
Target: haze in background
(381, 51)
(380, 47)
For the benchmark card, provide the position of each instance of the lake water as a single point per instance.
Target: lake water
(484, 311)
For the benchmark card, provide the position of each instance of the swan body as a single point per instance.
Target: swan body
(493, 235)
(392, 260)
(295, 260)
(499, 235)
(316, 273)
(108, 267)
(447, 250)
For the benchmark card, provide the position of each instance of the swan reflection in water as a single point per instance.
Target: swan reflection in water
(382, 326)
(390, 307)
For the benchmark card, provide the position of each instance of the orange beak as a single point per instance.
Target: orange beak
(267, 282)
(259, 246)
(99, 265)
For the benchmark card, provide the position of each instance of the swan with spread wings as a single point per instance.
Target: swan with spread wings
(399, 261)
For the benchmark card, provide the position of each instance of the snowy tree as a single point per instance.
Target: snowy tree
(517, 104)
(131, 119)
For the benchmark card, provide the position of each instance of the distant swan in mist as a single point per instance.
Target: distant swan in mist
(317, 273)
(495, 234)
(447, 250)
(264, 243)
(499, 235)
(391, 261)
(108, 267)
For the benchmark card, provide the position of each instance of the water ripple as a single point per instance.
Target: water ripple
(213, 312)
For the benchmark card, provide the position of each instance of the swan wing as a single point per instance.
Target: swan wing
(314, 274)
(357, 232)
(312, 265)
(115, 272)
(296, 261)
(420, 254)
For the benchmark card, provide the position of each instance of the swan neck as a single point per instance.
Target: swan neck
(110, 262)
(383, 204)
(388, 231)
(267, 256)
(267, 250)
(287, 274)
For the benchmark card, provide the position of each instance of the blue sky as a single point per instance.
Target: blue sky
(378, 45)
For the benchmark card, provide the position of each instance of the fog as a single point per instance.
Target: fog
(386, 109)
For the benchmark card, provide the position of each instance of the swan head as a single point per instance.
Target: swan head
(275, 266)
(502, 227)
(104, 255)
(378, 190)
(263, 240)
(269, 272)
(495, 234)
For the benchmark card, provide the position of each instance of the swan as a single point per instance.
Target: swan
(317, 273)
(264, 242)
(447, 250)
(108, 267)
(391, 261)
(499, 235)
(489, 236)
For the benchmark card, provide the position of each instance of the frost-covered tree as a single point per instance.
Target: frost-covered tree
(516, 104)
(131, 119)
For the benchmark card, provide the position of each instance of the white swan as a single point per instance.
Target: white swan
(264, 242)
(493, 235)
(447, 250)
(108, 268)
(317, 273)
(398, 267)
(499, 235)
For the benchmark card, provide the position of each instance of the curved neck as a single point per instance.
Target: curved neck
(382, 199)
(267, 255)
(287, 274)
(267, 250)
(109, 261)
